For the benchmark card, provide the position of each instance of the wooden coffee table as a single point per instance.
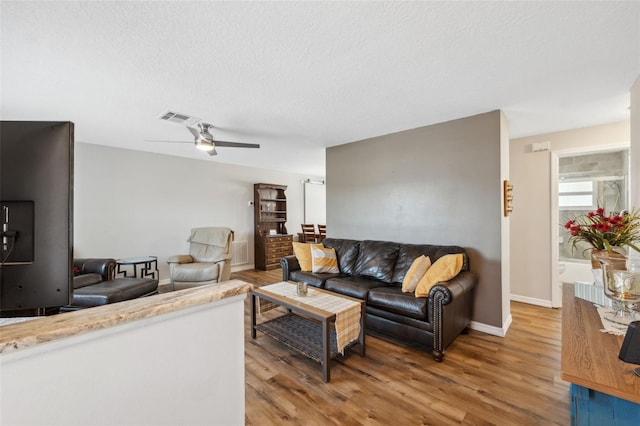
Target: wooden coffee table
(305, 328)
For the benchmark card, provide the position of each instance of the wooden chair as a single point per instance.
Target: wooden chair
(308, 233)
(322, 232)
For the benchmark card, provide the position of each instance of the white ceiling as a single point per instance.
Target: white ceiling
(297, 77)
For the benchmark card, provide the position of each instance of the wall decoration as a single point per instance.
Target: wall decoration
(508, 198)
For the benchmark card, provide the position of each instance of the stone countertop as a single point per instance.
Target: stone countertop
(22, 335)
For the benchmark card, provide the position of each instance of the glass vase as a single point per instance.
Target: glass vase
(618, 255)
(621, 281)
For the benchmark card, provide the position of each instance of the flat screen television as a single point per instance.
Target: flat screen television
(36, 216)
(16, 232)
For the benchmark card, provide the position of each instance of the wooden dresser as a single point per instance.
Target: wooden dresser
(272, 249)
(604, 389)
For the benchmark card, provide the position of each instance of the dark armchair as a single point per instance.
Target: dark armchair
(95, 284)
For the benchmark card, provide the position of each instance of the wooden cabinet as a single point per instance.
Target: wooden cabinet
(604, 389)
(270, 216)
(270, 249)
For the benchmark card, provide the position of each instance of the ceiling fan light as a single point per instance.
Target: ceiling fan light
(204, 145)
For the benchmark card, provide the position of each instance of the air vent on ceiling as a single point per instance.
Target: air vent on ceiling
(177, 117)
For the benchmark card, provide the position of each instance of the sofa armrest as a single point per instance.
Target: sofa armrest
(180, 258)
(103, 266)
(449, 309)
(459, 285)
(224, 273)
(289, 264)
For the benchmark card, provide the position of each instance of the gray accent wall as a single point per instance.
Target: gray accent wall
(439, 184)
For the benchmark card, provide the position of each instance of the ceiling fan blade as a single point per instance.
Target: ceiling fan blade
(161, 141)
(212, 152)
(194, 132)
(236, 144)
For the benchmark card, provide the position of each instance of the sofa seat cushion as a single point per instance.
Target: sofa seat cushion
(392, 299)
(114, 291)
(374, 314)
(314, 279)
(85, 280)
(357, 286)
(377, 259)
(194, 272)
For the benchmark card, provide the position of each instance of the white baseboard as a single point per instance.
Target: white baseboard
(242, 267)
(531, 301)
(493, 330)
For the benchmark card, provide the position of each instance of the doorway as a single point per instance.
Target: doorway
(315, 202)
(581, 182)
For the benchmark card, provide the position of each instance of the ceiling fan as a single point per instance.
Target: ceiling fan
(204, 141)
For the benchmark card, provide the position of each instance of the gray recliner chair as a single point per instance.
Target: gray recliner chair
(208, 261)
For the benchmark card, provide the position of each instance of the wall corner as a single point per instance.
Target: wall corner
(634, 148)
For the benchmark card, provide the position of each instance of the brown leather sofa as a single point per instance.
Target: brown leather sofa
(373, 271)
(94, 284)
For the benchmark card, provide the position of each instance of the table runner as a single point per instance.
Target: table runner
(347, 311)
(595, 294)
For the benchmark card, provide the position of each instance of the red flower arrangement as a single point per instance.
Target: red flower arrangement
(604, 231)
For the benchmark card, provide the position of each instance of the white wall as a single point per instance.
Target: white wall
(531, 264)
(132, 203)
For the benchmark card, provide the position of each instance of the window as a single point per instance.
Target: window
(578, 195)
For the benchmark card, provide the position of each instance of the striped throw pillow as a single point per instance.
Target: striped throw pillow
(324, 260)
(303, 254)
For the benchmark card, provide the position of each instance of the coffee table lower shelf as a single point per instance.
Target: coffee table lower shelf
(302, 335)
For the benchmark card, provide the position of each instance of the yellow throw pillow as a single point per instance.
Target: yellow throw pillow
(303, 254)
(443, 269)
(415, 273)
(324, 260)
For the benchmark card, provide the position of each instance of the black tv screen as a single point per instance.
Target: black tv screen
(36, 196)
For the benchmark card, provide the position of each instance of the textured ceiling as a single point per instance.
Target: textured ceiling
(297, 77)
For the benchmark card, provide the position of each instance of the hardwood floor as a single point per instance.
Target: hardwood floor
(483, 380)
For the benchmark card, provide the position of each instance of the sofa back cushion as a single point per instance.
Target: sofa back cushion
(409, 252)
(346, 252)
(88, 265)
(377, 259)
(210, 244)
